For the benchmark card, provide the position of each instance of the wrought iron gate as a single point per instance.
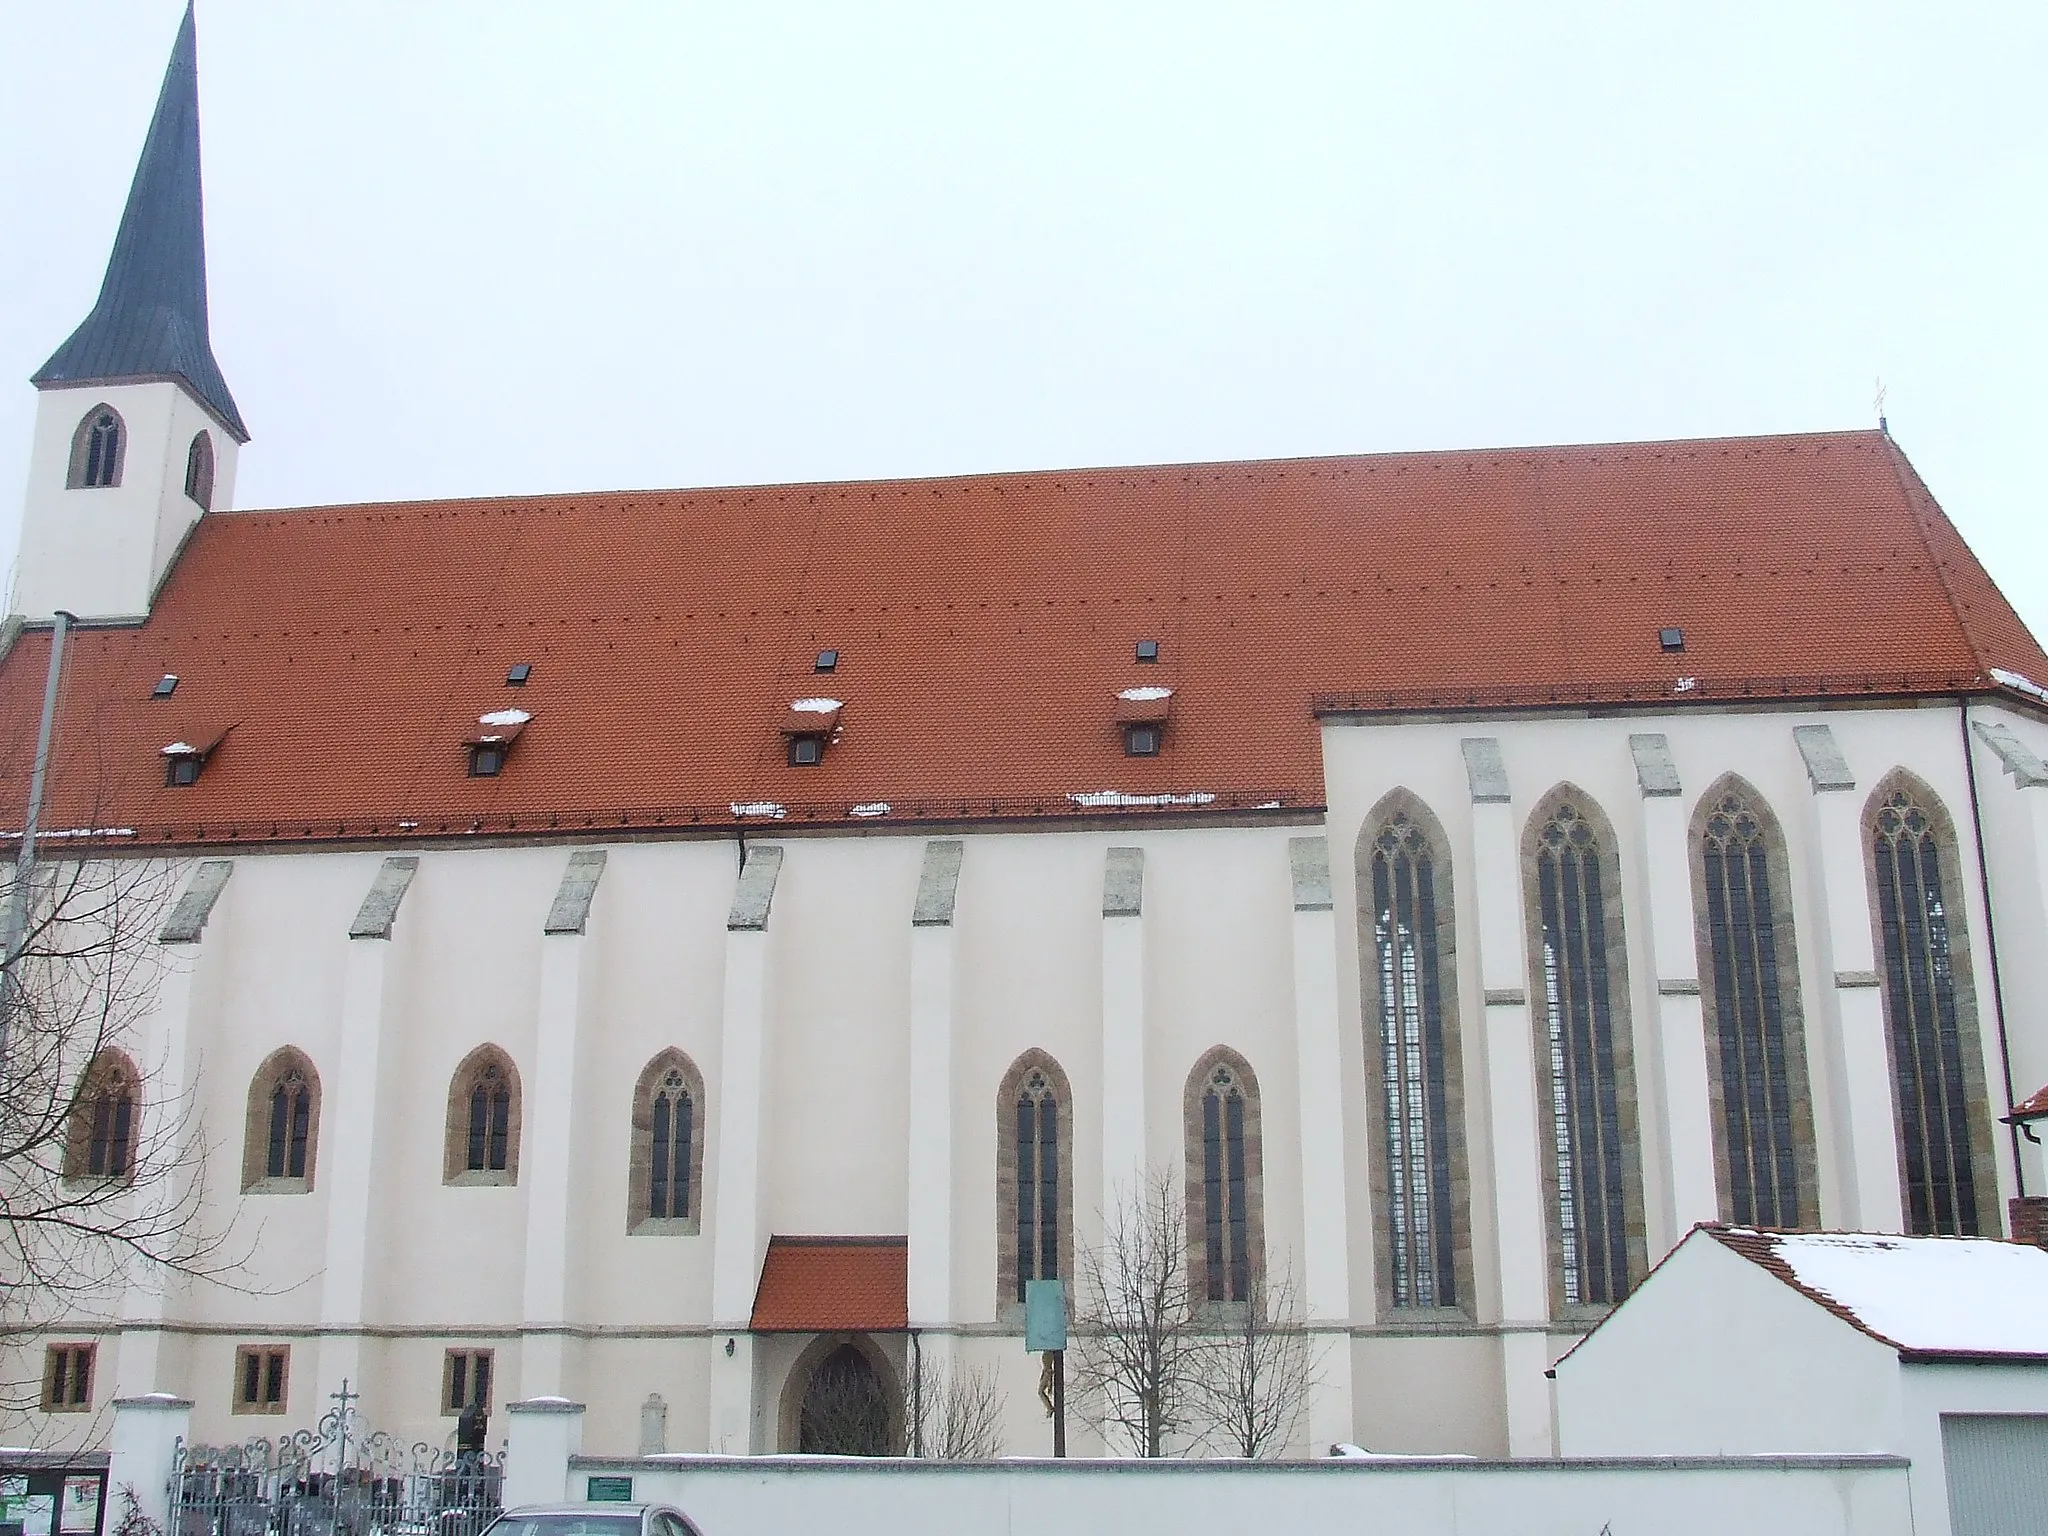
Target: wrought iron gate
(336, 1480)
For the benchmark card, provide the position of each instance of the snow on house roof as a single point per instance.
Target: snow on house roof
(1933, 1297)
(988, 618)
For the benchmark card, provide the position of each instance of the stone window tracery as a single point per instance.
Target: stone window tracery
(1034, 1175)
(666, 1183)
(97, 450)
(1225, 1236)
(105, 1120)
(1763, 1126)
(1937, 1065)
(282, 1128)
(1585, 1060)
(483, 1120)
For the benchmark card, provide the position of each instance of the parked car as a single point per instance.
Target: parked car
(592, 1520)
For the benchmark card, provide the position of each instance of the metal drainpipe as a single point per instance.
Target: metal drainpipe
(2019, 1172)
(25, 860)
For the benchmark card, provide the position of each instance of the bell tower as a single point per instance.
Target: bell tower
(136, 433)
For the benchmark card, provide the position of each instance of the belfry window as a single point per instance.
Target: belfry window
(199, 471)
(97, 450)
(1224, 1168)
(1751, 987)
(1418, 1211)
(1583, 1040)
(1936, 1065)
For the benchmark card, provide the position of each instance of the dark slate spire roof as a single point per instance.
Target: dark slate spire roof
(150, 321)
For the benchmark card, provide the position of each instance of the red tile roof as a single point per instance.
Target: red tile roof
(985, 626)
(2035, 1108)
(833, 1285)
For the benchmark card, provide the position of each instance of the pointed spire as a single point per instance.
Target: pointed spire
(150, 321)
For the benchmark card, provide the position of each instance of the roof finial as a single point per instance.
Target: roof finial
(1877, 404)
(150, 320)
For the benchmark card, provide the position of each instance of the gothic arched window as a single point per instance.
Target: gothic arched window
(199, 470)
(483, 1120)
(1585, 1063)
(1930, 1015)
(1034, 1175)
(282, 1127)
(1225, 1239)
(666, 1182)
(105, 1120)
(1414, 1086)
(97, 449)
(1749, 984)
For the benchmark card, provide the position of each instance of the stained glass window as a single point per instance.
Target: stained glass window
(490, 1122)
(1418, 1212)
(1927, 1028)
(291, 1124)
(673, 1123)
(1578, 1017)
(1037, 1131)
(1759, 1069)
(1226, 1222)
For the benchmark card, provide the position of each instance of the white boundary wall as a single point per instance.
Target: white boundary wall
(1761, 1496)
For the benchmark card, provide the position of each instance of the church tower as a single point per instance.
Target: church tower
(136, 432)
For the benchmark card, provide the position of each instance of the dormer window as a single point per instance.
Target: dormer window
(1671, 639)
(828, 661)
(1147, 650)
(517, 674)
(811, 727)
(1141, 714)
(185, 758)
(165, 686)
(491, 742)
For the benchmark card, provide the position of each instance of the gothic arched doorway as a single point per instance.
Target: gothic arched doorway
(845, 1407)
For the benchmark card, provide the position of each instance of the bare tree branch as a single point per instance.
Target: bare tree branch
(955, 1412)
(1259, 1366)
(1136, 1352)
(83, 982)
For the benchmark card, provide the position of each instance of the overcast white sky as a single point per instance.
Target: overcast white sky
(483, 246)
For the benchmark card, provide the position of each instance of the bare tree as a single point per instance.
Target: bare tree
(845, 1411)
(955, 1412)
(1258, 1367)
(1136, 1348)
(102, 1180)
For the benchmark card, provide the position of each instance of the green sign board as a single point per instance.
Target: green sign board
(610, 1490)
(1045, 1315)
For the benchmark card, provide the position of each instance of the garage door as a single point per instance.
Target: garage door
(1997, 1472)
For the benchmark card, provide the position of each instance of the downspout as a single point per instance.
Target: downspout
(916, 1394)
(2019, 1172)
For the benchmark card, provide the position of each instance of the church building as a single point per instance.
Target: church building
(706, 943)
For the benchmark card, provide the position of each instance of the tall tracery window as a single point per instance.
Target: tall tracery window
(1584, 1055)
(105, 1120)
(1413, 1078)
(1937, 1065)
(199, 470)
(1224, 1171)
(1763, 1127)
(283, 1124)
(483, 1120)
(666, 1187)
(97, 449)
(1034, 1161)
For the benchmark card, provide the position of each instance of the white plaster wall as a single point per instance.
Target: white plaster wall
(1929, 1392)
(445, 1265)
(101, 552)
(1712, 1357)
(1415, 1498)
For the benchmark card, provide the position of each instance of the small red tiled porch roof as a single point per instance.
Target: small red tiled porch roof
(834, 1285)
(2035, 1108)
